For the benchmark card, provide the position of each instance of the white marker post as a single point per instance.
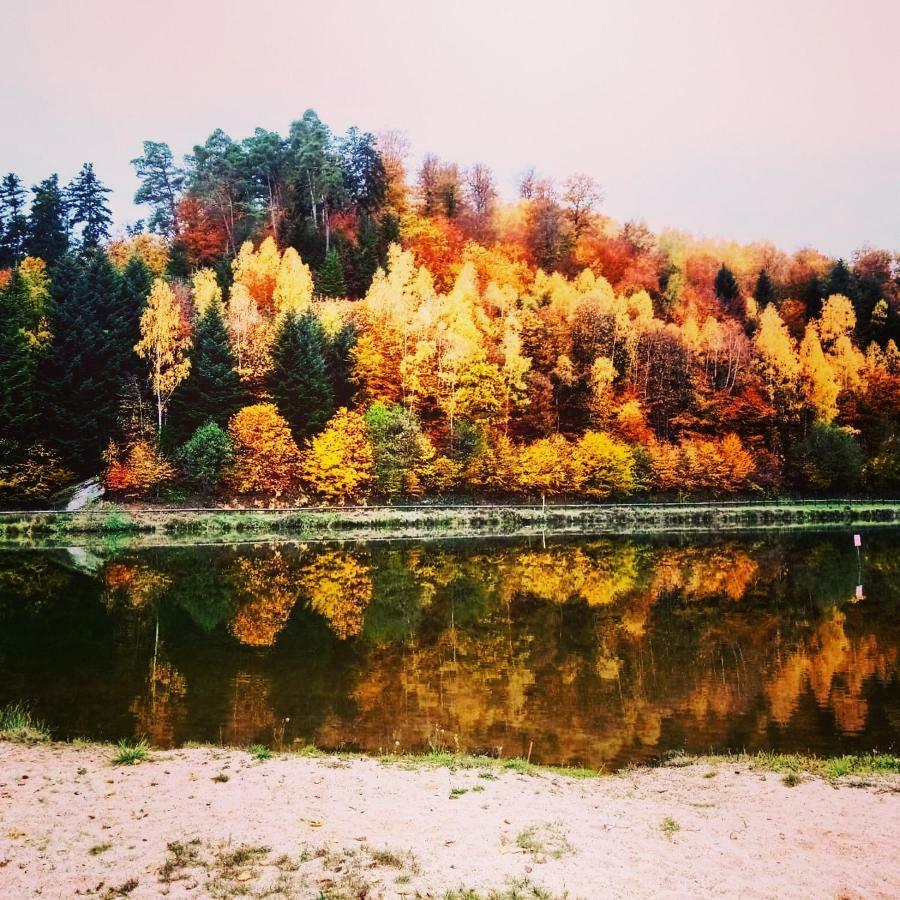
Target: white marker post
(857, 542)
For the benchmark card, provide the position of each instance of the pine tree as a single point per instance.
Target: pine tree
(330, 281)
(13, 222)
(88, 207)
(339, 365)
(213, 390)
(728, 291)
(161, 184)
(83, 371)
(764, 293)
(299, 378)
(48, 229)
(137, 280)
(17, 399)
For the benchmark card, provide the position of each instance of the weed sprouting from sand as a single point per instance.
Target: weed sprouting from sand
(130, 753)
(517, 889)
(259, 752)
(181, 857)
(458, 792)
(792, 779)
(546, 839)
(19, 724)
(669, 827)
(221, 778)
(97, 849)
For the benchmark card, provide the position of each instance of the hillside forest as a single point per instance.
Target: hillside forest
(308, 318)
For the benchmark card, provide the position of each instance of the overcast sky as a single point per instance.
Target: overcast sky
(770, 119)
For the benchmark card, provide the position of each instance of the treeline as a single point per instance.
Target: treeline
(300, 320)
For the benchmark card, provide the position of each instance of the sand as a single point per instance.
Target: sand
(71, 824)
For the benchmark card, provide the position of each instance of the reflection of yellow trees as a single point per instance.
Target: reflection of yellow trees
(269, 591)
(836, 668)
(565, 573)
(250, 714)
(161, 709)
(138, 583)
(339, 587)
(702, 572)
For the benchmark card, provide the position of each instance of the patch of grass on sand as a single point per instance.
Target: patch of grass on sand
(825, 767)
(97, 849)
(669, 827)
(18, 724)
(544, 839)
(130, 753)
(517, 889)
(259, 752)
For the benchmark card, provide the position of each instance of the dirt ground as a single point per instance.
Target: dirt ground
(217, 823)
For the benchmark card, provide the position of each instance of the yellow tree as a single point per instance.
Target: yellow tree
(340, 463)
(776, 356)
(266, 458)
(293, 290)
(206, 291)
(602, 466)
(164, 343)
(817, 381)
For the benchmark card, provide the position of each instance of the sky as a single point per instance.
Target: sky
(765, 119)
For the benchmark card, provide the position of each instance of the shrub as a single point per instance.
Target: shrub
(206, 454)
(137, 472)
(266, 457)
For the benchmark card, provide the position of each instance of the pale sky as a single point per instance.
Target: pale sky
(763, 119)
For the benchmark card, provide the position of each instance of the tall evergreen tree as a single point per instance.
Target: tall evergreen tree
(48, 228)
(339, 365)
(212, 390)
(84, 370)
(17, 399)
(728, 291)
(137, 280)
(88, 207)
(13, 222)
(299, 378)
(764, 293)
(330, 281)
(161, 185)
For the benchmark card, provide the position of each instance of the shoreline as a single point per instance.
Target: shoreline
(218, 822)
(160, 526)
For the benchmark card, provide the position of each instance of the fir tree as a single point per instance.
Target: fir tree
(764, 293)
(88, 207)
(13, 222)
(728, 291)
(339, 365)
(48, 230)
(299, 378)
(84, 370)
(17, 399)
(330, 280)
(212, 391)
(137, 280)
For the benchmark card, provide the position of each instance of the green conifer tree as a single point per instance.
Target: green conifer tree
(48, 224)
(330, 280)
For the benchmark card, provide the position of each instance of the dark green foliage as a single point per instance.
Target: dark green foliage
(213, 390)
(364, 176)
(841, 281)
(13, 222)
(299, 379)
(206, 454)
(339, 365)
(764, 293)
(48, 230)
(161, 185)
(831, 458)
(84, 370)
(88, 207)
(398, 443)
(17, 370)
(729, 291)
(330, 277)
(137, 280)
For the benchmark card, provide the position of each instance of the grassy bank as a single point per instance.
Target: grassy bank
(157, 525)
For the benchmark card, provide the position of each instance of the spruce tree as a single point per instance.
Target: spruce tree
(48, 229)
(212, 391)
(85, 367)
(728, 291)
(330, 281)
(137, 280)
(13, 222)
(17, 399)
(88, 207)
(299, 378)
(339, 365)
(764, 293)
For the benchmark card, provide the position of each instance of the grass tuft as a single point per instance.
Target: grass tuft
(259, 752)
(18, 724)
(669, 827)
(130, 753)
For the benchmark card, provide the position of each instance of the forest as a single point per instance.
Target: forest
(306, 318)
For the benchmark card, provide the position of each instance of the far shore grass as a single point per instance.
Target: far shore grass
(154, 526)
(18, 725)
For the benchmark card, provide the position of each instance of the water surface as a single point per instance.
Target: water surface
(596, 651)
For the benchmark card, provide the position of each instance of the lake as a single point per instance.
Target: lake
(595, 651)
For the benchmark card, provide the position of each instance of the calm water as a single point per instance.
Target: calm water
(600, 651)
